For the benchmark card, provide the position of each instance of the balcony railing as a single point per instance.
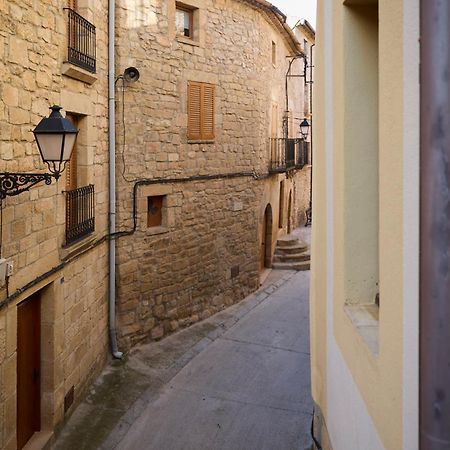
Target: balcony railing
(81, 41)
(288, 154)
(80, 213)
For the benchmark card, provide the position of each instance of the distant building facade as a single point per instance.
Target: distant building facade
(211, 191)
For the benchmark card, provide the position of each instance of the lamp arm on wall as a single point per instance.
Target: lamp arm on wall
(15, 183)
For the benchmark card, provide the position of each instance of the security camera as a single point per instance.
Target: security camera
(131, 74)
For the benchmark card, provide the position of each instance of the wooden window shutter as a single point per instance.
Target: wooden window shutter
(71, 165)
(207, 112)
(72, 4)
(200, 111)
(194, 111)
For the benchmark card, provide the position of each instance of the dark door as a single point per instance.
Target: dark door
(28, 369)
(262, 264)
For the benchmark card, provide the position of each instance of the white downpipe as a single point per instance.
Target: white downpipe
(112, 182)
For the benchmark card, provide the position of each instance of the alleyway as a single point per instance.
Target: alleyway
(239, 380)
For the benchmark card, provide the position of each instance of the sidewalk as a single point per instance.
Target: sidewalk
(239, 380)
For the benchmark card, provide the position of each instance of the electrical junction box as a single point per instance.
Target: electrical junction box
(3, 268)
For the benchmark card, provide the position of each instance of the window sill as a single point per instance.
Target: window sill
(77, 73)
(156, 230)
(77, 247)
(199, 142)
(365, 318)
(188, 41)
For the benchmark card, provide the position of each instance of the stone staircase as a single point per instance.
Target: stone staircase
(291, 254)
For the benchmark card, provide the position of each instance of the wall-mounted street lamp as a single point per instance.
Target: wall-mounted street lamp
(304, 128)
(55, 137)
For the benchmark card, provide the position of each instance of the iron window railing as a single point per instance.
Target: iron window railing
(291, 153)
(81, 41)
(80, 213)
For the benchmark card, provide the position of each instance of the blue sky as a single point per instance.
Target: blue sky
(297, 9)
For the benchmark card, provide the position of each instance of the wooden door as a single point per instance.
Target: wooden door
(28, 369)
(263, 243)
(290, 213)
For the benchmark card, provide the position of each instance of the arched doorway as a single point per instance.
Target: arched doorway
(289, 217)
(266, 239)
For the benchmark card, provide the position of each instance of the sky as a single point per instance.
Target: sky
(297, 9)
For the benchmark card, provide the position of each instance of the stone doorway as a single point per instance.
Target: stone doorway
(28, 369)
(266, 238)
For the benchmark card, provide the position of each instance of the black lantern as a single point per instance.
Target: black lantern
(304, 128)
(55, 136)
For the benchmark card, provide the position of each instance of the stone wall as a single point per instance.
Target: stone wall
(174, 275)
(71, 281)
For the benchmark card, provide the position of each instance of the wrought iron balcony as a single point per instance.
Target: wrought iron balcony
(81, 41)
(286, 154)
(80, 213)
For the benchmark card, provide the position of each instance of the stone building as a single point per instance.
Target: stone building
(203, 191)
(53, 303)
(211, 171)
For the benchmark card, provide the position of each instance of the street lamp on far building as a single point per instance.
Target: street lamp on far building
(55, 136)
(304, 128)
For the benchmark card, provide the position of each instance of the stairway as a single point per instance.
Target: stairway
(291, 254)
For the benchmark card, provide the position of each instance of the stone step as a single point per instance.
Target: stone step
(289, 241)
(305, 265)
(291, 257)
(301, 248)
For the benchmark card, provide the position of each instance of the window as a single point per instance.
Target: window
(200, 106)
(184, 21)
(154, 210)
(80, 206)
(72, 165)
(274, 53)
(361, 156)
(72, 4)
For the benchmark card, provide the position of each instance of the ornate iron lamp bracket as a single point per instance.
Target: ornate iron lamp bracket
(15, 183)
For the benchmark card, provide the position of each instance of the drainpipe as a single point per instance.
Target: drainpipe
(434, 225)
(112, 182)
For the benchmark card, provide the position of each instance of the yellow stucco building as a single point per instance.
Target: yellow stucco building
(365, 245)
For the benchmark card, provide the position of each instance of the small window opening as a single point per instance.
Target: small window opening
(184, 20)
(154, 210)
(274, 53)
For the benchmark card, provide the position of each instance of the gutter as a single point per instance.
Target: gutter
(434, 301)
(112, 183)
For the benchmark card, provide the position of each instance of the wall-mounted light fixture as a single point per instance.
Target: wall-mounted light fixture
(304, 128)
(55, 137)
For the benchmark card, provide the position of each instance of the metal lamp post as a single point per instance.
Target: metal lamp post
(304, 130)
(55, 137)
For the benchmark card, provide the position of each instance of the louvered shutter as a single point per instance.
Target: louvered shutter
(207, 123)
(71, 171)
(194, 111)
(72, 4)
(71, 165)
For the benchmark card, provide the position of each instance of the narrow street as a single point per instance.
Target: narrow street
(239, 380)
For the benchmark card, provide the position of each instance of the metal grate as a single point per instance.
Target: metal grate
(288, 154)
(80, 213)
(81, 41)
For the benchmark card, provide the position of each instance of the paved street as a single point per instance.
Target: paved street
(239, 380)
